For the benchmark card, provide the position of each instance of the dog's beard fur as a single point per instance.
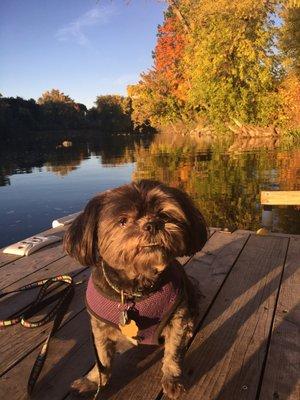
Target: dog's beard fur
(137, 229)
(124, 241)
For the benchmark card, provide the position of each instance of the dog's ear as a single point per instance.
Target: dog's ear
(198, 233)
(81, 239)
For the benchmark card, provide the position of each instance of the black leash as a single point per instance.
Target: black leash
(58, 312)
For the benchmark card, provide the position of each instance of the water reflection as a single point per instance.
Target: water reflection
(20, 158)
(224, 178)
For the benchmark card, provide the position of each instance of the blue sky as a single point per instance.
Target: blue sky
(84, 48)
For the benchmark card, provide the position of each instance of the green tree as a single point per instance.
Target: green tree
(59, 111)
(18, 117)
(111, 113)
(231, 61)
(229, 67)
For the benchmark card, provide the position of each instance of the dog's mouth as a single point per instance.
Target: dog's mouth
(151, 245)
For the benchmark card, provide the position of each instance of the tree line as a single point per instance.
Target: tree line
(214, 62)
(55, 110)
(218, 61)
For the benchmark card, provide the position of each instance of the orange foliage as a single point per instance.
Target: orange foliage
(290, 97)
(168, 54)
(289, 170)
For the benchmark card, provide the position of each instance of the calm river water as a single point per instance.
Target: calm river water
(43, 181)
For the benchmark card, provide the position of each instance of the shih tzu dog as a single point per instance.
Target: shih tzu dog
(138, 293)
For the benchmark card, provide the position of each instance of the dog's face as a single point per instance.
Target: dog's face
(138, 228)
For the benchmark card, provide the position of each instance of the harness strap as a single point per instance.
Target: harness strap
(57, 312)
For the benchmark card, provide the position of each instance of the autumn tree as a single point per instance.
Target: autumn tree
(152, 101)
(290, 37)
(289, 44)
(216, 61)
(55, 96)
(168, 55)
(233, 67)
(161, 93)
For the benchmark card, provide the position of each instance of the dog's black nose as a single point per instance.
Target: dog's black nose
(152, 226)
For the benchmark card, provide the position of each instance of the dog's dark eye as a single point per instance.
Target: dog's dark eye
(162, 215)
(123, 221)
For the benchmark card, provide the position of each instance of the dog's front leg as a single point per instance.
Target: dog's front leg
(105, 348)
(176, 335)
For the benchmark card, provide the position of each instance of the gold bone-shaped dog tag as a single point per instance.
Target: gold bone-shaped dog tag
(130, 329)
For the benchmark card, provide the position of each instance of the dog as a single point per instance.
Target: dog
(131, 236)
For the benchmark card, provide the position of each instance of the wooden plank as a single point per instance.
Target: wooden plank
(59, 231)
(9, 258)
(209, 267)
(282, 370)
(69, 349)
(278, 197)
(183, 260)
(226, 357)
(276, 234)
(13, 302)
(209, 257)
(17, 341)
(142, 364)
(24, 266)
(213, 230)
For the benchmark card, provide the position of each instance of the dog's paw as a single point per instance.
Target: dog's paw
(83, 388)
(173, 387)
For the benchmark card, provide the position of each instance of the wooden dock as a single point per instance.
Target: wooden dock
(246, 345)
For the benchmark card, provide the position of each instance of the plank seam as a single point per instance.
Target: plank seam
(33, 272)
(218, 291)
(87, 371)
(200, 323)
(271, 326)
(211, 235)
(58, 285)
(10, 262)
(34, 348)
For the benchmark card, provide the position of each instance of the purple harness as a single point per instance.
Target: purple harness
(151, 313)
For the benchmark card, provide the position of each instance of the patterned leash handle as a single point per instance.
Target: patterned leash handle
(58, 312)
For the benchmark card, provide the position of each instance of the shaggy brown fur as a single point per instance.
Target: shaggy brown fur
(137, 230)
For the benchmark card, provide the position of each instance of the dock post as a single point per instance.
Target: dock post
(267, 217)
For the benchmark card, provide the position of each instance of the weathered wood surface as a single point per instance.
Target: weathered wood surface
(21, 340)
(9, 258)
(25, 266)
(281, 379)
(280, 198)
(226, 357)
(209, 267)
(248, 288)
(61, 368)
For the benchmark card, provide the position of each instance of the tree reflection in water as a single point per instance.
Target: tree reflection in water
(223, 178)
